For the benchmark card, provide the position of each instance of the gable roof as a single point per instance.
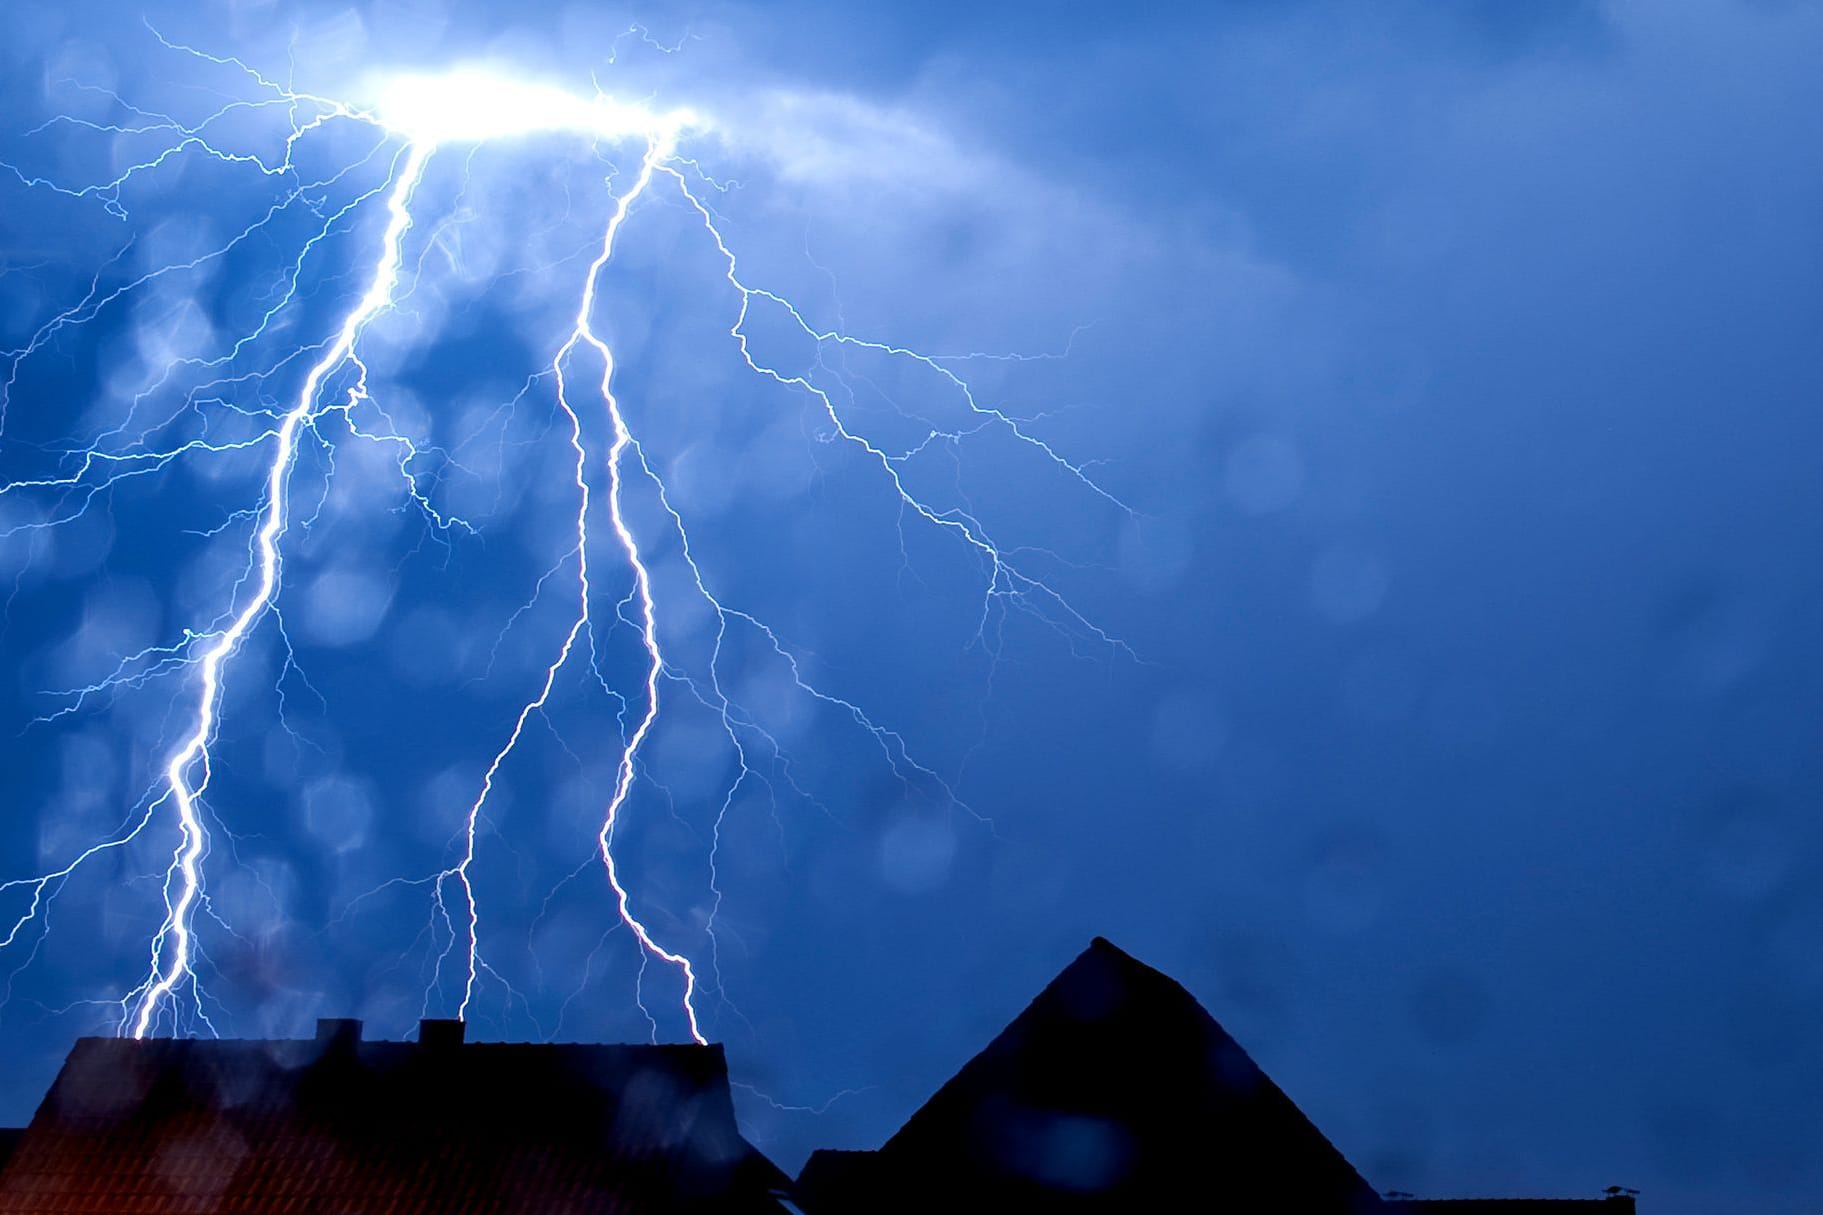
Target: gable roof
(1113, 1090)
(158, 1127)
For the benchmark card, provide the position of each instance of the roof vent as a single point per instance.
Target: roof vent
(440, 1034)
(338, 1031)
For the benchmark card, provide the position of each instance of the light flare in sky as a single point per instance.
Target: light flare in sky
(476, 105)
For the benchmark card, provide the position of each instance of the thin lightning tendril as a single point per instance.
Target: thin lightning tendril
(414, 119)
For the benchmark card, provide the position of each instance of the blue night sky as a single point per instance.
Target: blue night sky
(1407, 629)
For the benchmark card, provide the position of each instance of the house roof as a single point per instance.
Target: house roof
(1619, 1204)
(1113, 1090)
(161, 1127)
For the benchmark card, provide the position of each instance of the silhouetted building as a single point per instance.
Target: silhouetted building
(337, 1126)
(1114, 1091)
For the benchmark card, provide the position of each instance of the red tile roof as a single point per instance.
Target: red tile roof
(336, 1127)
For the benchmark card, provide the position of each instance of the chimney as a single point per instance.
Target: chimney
(341, 1033)
(439, 1034)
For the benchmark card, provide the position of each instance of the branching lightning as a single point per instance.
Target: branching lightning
(414, 122)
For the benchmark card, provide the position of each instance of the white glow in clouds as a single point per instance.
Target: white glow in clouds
(475, 105)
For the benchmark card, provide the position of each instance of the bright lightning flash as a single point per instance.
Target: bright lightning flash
(413, 119)
(476, 105)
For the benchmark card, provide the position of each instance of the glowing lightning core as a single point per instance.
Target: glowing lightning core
(473, 105)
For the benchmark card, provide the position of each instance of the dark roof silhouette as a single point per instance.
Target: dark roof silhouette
(335, 1125)
(1614, 1204)
(1113, 1091)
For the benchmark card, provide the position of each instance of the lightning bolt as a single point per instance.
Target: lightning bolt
(413, 118)
(187, 772)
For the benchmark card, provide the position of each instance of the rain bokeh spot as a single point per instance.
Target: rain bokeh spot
(916, 854)
(1263, 474)
(1074, 1152)
(345, 606)
(338, 811)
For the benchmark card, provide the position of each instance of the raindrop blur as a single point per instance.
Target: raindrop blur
(915, 855)
(1264, 474)
(344, 606)
(338, 811)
